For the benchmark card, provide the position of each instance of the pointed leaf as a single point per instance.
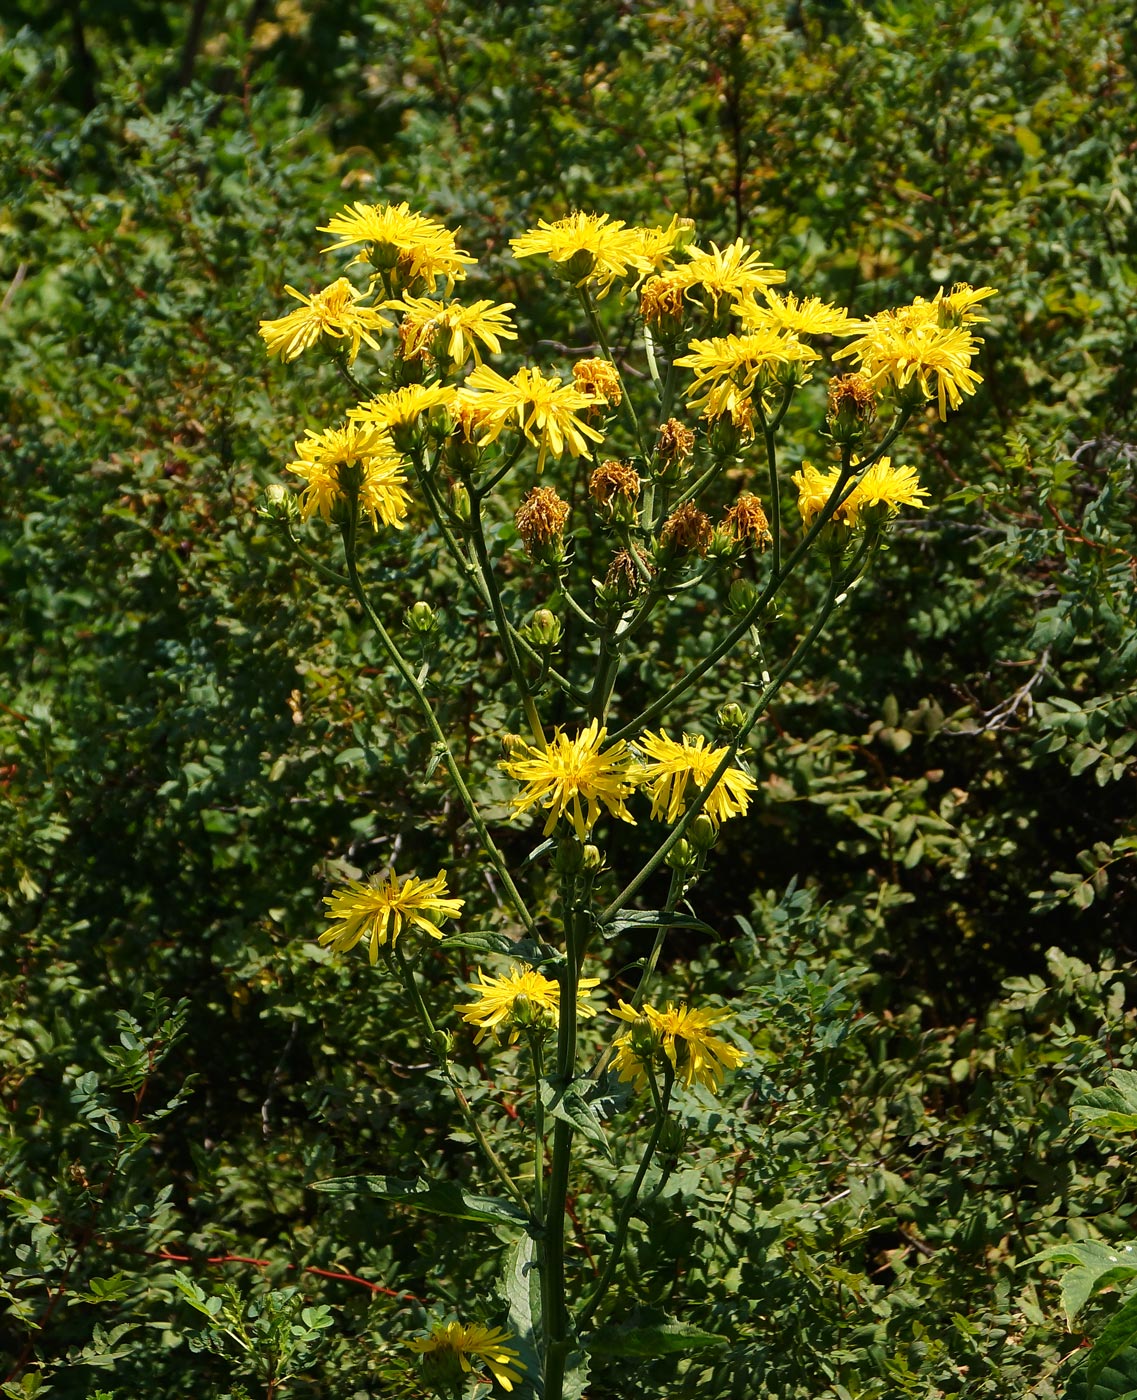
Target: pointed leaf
(568, 1102)
(438, 1197)
(651, 1339)
(655, 918)
(1096, 1266)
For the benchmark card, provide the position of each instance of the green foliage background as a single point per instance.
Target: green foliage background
(197, 739)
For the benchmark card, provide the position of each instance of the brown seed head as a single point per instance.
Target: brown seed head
(623, 578)
(688, 530)
(746, 521)
(614, 479)
(852, 395)
(541, 517)
(675, 443)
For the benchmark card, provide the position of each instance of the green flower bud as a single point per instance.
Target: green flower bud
(703, 833)
(421, 619)
(442, 1043)
(577, 268)
(278, 503)
(592, 859)
(545, 629)
(731, 718)
(460, 502)
(646, 1039)
(681, 857)
(742, 596)
(672, 1137)
(570, 856)
(442, 1370)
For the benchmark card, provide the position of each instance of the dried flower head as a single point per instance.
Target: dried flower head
(623, 579)
(598, 380)
(541, 517)
(852, 396)
(662, 303)
(614, 480)
(675, 444)
(746, 521)
(687, 530)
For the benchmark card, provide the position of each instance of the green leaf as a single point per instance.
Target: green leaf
(1096, 1266)
(500, 943)
(651, 1339)
(438, 1197)
(1112, 1109)
(568, 1103)
(521, 1287)
(1118, 1335)
(655, 918)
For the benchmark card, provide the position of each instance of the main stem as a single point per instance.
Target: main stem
(557, 1318)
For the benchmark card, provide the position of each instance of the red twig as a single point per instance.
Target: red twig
(264, 1264)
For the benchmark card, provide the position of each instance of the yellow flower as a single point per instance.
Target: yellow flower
(814, 489)
(910, 347)
(333, 312)
(683, 1035)
(401, 408)
(409, 247)
(455, 1349)
(655, 245)
(427, 321)
(674, 768)
(358, 456)
(957, 308)
(591, 248)
(887, 486)
(522, 998)
(729, 368)
(809, 316)
(571, 772)
(731, 272)
(599, 381)
(379, 912)
(543, 409)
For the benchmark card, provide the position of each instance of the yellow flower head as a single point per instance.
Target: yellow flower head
(599, 381)
(359, 457)
(729, 369)
(334, 312)
(814, 489)
(683, 1035)
(457, 1349)
(726, 273)
(672, 770)
(413, 250)
(378, 912)
(909, 347)
(958, 307)
(545, 410)
(522, 999)
(429, 324)
(655, 245)
(572, 777)
(887, 486)
(809, 316)
(401, 408)
(590, 248)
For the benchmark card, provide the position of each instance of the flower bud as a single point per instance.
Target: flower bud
(576, 268)
(646, 1038)
(460, 502)
(570, 856)
(513, 745)
(681, 857)
(703, 833)
(421, 619)
(742, 596)
(278, 503)
(731, 718)
(442, 1043)
(592, 859)
(545, 629)
(672, 1137)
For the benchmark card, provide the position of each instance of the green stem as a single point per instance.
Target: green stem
(539, 1114)
(558, 1321)
(481, 550)
(696, 806)
(775, 491)
(661, 1107)
(440, 743)
(410, 981)
(602, 340)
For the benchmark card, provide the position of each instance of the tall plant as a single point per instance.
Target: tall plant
(462, 446)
